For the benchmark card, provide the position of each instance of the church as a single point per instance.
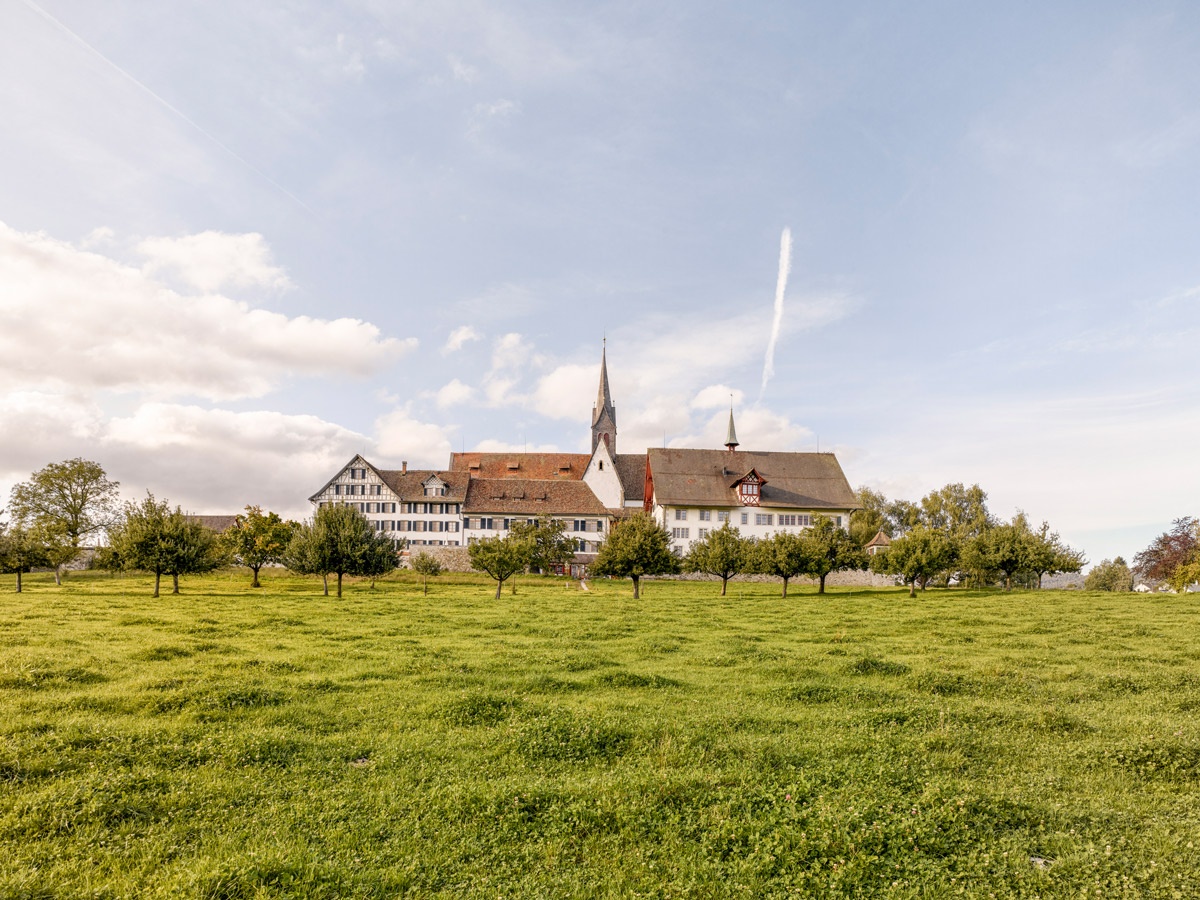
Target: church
(688, 491)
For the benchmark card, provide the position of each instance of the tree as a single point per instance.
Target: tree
(1007, 549)
(20, 552)
(916, 556)
(1168, 551)
(1188, 573)
(339, 541)
(500, 557)
(151, 537)
(1110, 575)
(783, 555)
(722, 553)
(635, 547)
(427, 567)
(872, 518)
(1050, 556)
(257, 539)
(548, 542)
(66, 502)
(828, 548)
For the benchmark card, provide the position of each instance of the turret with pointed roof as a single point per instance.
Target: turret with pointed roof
(604, 414)
(731, 441)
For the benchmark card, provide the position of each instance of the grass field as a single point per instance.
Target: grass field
(238, 743)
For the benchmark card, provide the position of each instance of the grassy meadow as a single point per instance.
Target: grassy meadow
(240, 743)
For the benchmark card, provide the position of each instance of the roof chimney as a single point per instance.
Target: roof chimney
(404, 467)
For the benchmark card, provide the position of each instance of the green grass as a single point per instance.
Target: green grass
(239, 743)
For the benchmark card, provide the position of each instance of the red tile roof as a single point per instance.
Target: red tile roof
(537, 466)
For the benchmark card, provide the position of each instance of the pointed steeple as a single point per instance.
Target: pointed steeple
(604, 414)
(731, 440)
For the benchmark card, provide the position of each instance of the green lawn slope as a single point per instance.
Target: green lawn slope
(238, 743)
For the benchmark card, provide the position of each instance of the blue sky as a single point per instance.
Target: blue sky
(241, 242)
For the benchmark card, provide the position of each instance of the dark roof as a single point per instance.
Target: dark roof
(531, 497)
(707, 477)
(545, 466)
(631, 471)
(880, 540)
(410, 484)
(216, 523)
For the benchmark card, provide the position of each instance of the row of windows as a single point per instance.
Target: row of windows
(802, 520)
(415, 525)
(357, 490)
(491, 523)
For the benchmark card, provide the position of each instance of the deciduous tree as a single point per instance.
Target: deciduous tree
(1168, 551)
(722, 553)
(549, 545)
(500, 557)
(151, 537)
(635, 547)
(1109, 575)
(66, 502)
(1007, 549)
(783, 555)
(828, 548)
(20, 552)
(257, 539)
(340, 541)
(915, 556)
(427, 567)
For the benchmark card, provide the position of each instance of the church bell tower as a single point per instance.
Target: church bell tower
(604, 414)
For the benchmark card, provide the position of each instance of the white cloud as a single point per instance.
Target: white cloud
(422, 444)
(459, 338)
(77, 320)
(453, 394)
(212, 261)
(567, 392)
(493, 446)
(717, 396)
(462, 71)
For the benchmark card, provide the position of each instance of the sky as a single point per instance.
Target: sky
(240, 243)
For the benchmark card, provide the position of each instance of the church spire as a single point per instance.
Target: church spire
(731, 440)
(604, 414)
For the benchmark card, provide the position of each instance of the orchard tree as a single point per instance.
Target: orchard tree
(915, 556)
(151, 537)
(783, 555)
(871, 518)
(549, 545)
(722, 553)
(828, 548)
(427, 567)
(340, 541)
(71, 500)
(1007, 549)
(257, 539)
(1050, 556)
(500, 557)
(635, 547)
(20, 552)
(1110, 575)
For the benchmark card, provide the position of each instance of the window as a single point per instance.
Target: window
(581, 546)
(804, 520)
(750, 489)
(705, 515)
(507, 524)
(681, 515)
(837, 520)
(785, 519)
(435, 490)
(452, 526)
(745, 518)
(703, 533)
(579, 525)
(722, 515)
(486, 524)
(337, 490)
(599, 524)
(419, 525)
(680, 533)
(763, 519)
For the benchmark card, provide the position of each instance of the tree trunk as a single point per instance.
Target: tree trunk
(1007, 582)
(724, 582)
(499, 585)
(174, 582)
(636, 595)
(325, 581)
(255, 583)
(58, 575)
(821, 589)
(425, 586)
(785, 581)
(157, 578)
(1039, 587)
(18, 581)
(339, 575)
(912, 588)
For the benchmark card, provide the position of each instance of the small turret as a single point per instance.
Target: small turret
(604, 414)
(731, 440)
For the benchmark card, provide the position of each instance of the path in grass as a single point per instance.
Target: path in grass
(238, 743)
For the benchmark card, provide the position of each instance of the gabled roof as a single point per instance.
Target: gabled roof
(631, 471)
(216, 523)
(880, 540)
(707, 477)
(531, 497)
(410, 484)
(545, 466)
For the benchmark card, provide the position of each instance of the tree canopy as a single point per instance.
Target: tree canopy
(915, 556)
(1109, 575)
(1169, 551)
(722, 553)
(427, 567)
(151, 537)
(548, 543)
(20, 552)
(783, 555)
(73, 497)
(339, 541)
(500, 557)
(257, 539)
(828, 548)
(635, 547)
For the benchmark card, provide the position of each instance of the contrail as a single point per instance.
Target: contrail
(257, 171)
(785, 269)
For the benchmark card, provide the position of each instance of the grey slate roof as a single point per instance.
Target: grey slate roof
(631, 471)
(707, 478)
